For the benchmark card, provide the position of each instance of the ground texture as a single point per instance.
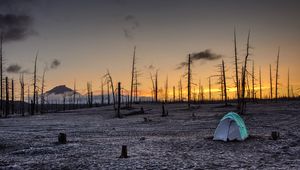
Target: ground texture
(181, 140)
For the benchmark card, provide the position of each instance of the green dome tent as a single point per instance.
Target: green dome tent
(231, 127)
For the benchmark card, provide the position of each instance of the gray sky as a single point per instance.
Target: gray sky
(90, 36)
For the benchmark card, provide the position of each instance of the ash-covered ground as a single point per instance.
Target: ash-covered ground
(178, 141)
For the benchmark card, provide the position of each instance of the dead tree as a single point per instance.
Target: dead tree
(199, 90)
(1, 72)
(180, 90)
(166, 90)
(12, 97)
(28, 99)
(132, 75)
(34, 85)
(37, 101)
(271, 86)
(202, 93)
(194, 94)
(109, 79)
(224, 82)
(209, 87)
(221, 82)
(174, 94)
(22, 99)
(74, 94)
(288, 84)
(136, 84)
(260, 90)
(236, 69)
(42, 91)
(248, 86)
(242, 105)
(153, 87)
(102, 92)
(7, 97)
(119, 100)
(189, 80)
(108, 96)
(89, 94)
(277, 75)
(253, 82)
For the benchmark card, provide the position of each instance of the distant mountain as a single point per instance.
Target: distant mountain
(61, 89)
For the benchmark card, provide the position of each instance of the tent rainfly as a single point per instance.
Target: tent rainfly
(231, 127)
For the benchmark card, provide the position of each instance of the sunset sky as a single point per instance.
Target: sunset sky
(87, 37)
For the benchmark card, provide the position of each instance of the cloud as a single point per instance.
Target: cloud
(55, 63)
(15, 22)
(15, 27)
(14, 68)
(132, 24)
(203, 55)
(151, 67)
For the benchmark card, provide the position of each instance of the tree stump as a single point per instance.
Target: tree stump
(163, 114)
(62, 138)
(124, 152)
(142, 110)
(275, 135)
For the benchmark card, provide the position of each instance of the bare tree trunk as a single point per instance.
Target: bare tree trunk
(199, 90)
(288, 84)
(153, 87)
(34, 85)
(108, 96)
(166, 90)
(248, 86)
(119, 100)
(136, 86)
(244, 69)
(189, 81)
(180, 88)
(37, 101)
(132, 75)
(253, 82)
(74, 94)
(1, 72)
(7, 97)
(12, 97)
(22, 94)
(174, 94)
(276, 83)
(42, 91)
(102, 93)
(28, 100)
(92, 98)
(224, 82)
(236, 68)
(271, 86)
(89, 94)
(260, 90)
(156, 86)
(221, 83)
(109, 78)
(209, 88)
(202, 93)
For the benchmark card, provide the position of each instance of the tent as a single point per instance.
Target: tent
(231, 127)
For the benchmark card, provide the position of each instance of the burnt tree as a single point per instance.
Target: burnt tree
(34, 85)
(277, 75)
(242, 104)
(224, 82)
